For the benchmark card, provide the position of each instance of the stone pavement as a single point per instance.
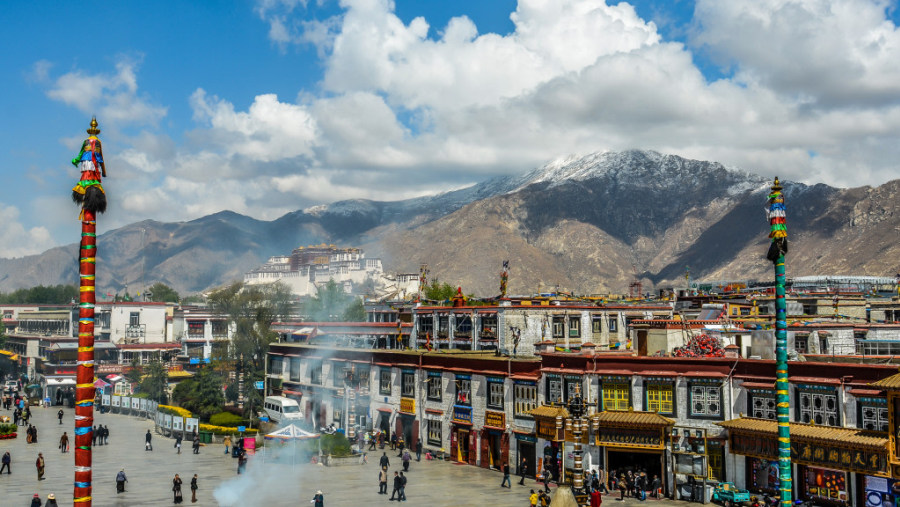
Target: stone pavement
(267, 482)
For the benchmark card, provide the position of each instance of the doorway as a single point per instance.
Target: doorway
(462, 445)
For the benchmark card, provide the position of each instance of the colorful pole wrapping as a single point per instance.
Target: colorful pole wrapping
(84, 389)
(777, 250)
(90, 195)
(504, 278)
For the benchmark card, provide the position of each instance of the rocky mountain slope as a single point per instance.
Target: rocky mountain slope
(579, 223)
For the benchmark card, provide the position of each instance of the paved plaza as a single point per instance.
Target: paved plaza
(267, 481)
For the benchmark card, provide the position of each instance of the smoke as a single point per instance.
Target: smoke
(273, 475)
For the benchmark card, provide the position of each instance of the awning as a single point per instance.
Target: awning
(844, 436)
(55, 382)
(549, 412)
(114, 378)
(100, 383)
(631, 419)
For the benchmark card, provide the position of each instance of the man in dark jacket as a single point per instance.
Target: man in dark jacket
(419, 450)
(402, 496)
(523, 471)
(7, 459)
(506, 476)
(398, 483)
(384, 462)
(196, 445)
(148, 441)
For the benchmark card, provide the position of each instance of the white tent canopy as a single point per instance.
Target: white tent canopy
(291, 432)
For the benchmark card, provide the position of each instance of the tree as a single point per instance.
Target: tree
(251, 311)
(438, 291)
(156, 381)
(162, 293)
(356, 312)
(201, 394)
(135, 370)
(329, 304)
(55, 294)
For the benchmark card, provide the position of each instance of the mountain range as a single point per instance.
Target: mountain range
(589, 224)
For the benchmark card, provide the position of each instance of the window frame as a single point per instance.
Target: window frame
(463, 384)
(812, 392)
(881, 413)
(408, 384)
(434, 432)
(764, 412)
(805, 340)
(707, 389)
(558, 327)
(612, 323)
(491, 402)
(552, 380)
(574, 326)
(385, 381)
(435, 386)
(524, 398)
(315, 372)
(657, 388)
(618, 387)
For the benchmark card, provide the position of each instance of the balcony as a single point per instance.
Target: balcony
(137, 332)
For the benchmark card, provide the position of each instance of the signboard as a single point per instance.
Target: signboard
(461, 414)
(630, 437)
(192, 424)
(144, 404)
(242, 429)
(195, 360)
(153, 405)
(526, 438)
(136, 403)
(408, 405)
(160, 418)
(105, 400)
(495, 419)
(116, 400)
(814, 453)
(547, 430)
(177, 423)
(126, 402)
(167, 421)
(260, 384)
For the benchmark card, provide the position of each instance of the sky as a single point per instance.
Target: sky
(269, 106)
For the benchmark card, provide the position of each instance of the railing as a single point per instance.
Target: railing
(138, 331)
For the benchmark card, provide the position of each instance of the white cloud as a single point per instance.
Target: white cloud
(114, 97)
(16, 240)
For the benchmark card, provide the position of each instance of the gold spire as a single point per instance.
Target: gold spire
(93, 130)
(777, 185)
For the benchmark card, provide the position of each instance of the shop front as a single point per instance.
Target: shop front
(549, 422)
(407, 427)
(463, 440)
(525, 448)
(494, 440)
(879, 492)
(633, 441)
(832, 461)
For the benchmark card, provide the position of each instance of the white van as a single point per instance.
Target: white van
(281, 409)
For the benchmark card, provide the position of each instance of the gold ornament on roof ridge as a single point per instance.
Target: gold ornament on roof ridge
(93, 130)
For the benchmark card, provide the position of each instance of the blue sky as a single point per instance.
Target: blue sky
(269, 106)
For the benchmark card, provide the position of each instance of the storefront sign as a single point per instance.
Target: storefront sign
(408, 405)
(827, 485)
(494, 419)
(526, 438)
(826, 454)
(630, 437)
(547, 430)
(462, 414)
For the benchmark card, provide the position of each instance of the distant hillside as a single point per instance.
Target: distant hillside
(581, 223)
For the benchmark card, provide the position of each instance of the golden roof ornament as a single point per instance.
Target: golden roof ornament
(93, 130)
(777, 186)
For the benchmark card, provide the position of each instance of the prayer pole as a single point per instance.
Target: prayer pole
(90, 195)
(777, 250)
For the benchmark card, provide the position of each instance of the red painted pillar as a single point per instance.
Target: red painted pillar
(84, 389)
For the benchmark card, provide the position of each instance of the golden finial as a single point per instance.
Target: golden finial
(93, 130)
(777, 185)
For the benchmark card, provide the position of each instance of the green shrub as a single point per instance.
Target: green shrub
(336, 445)
(226, 419)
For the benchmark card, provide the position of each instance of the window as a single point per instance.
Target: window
(103, 321)
(559, 325)
(823, 344)
(426, 325)
(384, 385)
(818, 404)
(616, 395)
(554, 389)
(873, 414)
(613, 323)
(495, 395)
(463, 390)
(362, 373)
(573, 384)
(195, 328)
(276, 365)
(762, 404)
(315, 373)
(525, 397)
(338, 414)
(134, 319)
(801, 343)
(574, 327)
(596, 324)
(434, 432)
(219, 328)
(408, 384)
(878, 348)
(434, 387)
(706, 400)
(660, 397)
(338, 373)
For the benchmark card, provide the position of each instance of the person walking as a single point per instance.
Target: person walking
(39, 464)
(406, 459)
(120, 481)
(382, 481)
(384, 462)
(148, 441)
(242, 461)
(523, 471)
(178, 443)
(318, 500)
(546, 476)
(227, 442)
(506, 476)
(60, 415)
(196, 445)
(106, 435)
(397, 483)
(419, 450)
(194, 489)
(64, 442)
(94, 435)
(36, 500)
(176, 489)
(7, 460)
(623, 486)
(402, 496)
(51, 501)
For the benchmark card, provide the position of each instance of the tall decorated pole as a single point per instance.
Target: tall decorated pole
(89, 194)
(777, 250)
(504, 279)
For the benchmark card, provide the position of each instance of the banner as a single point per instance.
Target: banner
(126, 402)
(136, 403)
(177, 423)
(144, 404)
(106, 401)
(167, 421)
(116, 400)
(192, 424)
